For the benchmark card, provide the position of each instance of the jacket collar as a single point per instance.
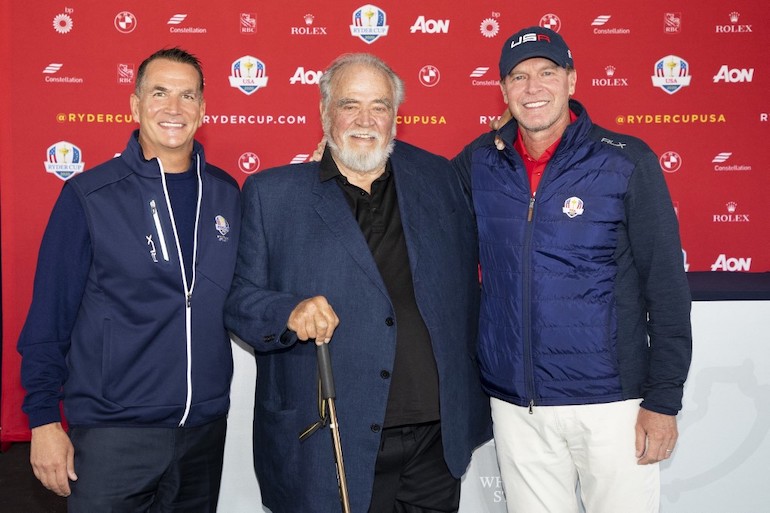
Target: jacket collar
(134, 157)
(574, 133)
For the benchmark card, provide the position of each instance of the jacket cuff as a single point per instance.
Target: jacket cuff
(44, 416)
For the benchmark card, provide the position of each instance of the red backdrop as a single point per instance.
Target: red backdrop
(691, 79)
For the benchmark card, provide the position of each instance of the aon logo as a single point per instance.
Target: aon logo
(731, 264)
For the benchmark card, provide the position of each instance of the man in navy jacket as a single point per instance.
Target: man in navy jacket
(373, 250)
(584, 334)
(126, 319)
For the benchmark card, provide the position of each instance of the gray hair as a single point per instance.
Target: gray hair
(366, 59)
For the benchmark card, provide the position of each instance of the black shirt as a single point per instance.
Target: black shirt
(413, 396)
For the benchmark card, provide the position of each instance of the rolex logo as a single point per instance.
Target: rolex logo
(610, 70)
(309, 19)
(734, 16)
(731, 206)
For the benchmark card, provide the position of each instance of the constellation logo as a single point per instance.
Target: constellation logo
(62, 23)
(602, 20)
(429, 75)
(731, 216)
(369, 23)
(64, 160)
(177, 19)
(125, 73)
(610, 80)
(308, 29)
(671, 74)
(672, 23)
(299, 158)
(733, 27)
(247, 23)
(723, 157)
(248, 163)
(125, 22)
(53, 68)
(670, 162)
(480, 72)
(490, 27)
(248, 74)
(733, 76)
(551, 21)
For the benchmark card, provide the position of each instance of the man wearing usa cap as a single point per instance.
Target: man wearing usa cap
(585, 339)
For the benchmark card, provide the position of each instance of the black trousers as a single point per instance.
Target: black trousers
(156, 470)
(410, 475)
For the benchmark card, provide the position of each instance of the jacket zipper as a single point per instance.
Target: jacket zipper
(188, 288)
(159, 229)
(529, 372)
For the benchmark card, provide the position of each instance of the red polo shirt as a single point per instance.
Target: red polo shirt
(536, 167)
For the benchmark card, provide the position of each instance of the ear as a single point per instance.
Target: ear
(502, 88)
(203, 112)
(134, 103)
(572, 77)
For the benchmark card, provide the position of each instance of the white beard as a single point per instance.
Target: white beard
(360, 161)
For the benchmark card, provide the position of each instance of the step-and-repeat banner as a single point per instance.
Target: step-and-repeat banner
(690, 78)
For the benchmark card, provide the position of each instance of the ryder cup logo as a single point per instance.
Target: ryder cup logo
(573, 207)
(671, 74)
(223, 227)
(64, 160)
(369, 23)
(248, 74)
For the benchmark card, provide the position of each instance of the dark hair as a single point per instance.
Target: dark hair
(175, 54)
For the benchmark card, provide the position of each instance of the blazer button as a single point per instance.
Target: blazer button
(384, 374)
(375, 428)
(389, 321)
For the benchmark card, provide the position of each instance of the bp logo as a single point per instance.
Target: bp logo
(248, 74)
(369, 23)
(64, 160)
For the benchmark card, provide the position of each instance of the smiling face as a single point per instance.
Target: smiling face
(169, 108)
(359, 121)
(537, 92)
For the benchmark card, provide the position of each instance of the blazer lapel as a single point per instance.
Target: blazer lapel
(409, 188)
(335, 212)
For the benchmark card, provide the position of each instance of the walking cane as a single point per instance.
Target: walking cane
(328, 395)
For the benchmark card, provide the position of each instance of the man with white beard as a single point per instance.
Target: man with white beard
(374, 249)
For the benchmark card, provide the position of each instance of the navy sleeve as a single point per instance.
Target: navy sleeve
(653, 233)
(60, 279)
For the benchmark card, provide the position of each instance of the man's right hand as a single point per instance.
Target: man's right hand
(313, 318)
(53, 458)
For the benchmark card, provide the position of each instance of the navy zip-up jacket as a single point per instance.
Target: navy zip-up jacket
(584, 295)
(133, 337)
